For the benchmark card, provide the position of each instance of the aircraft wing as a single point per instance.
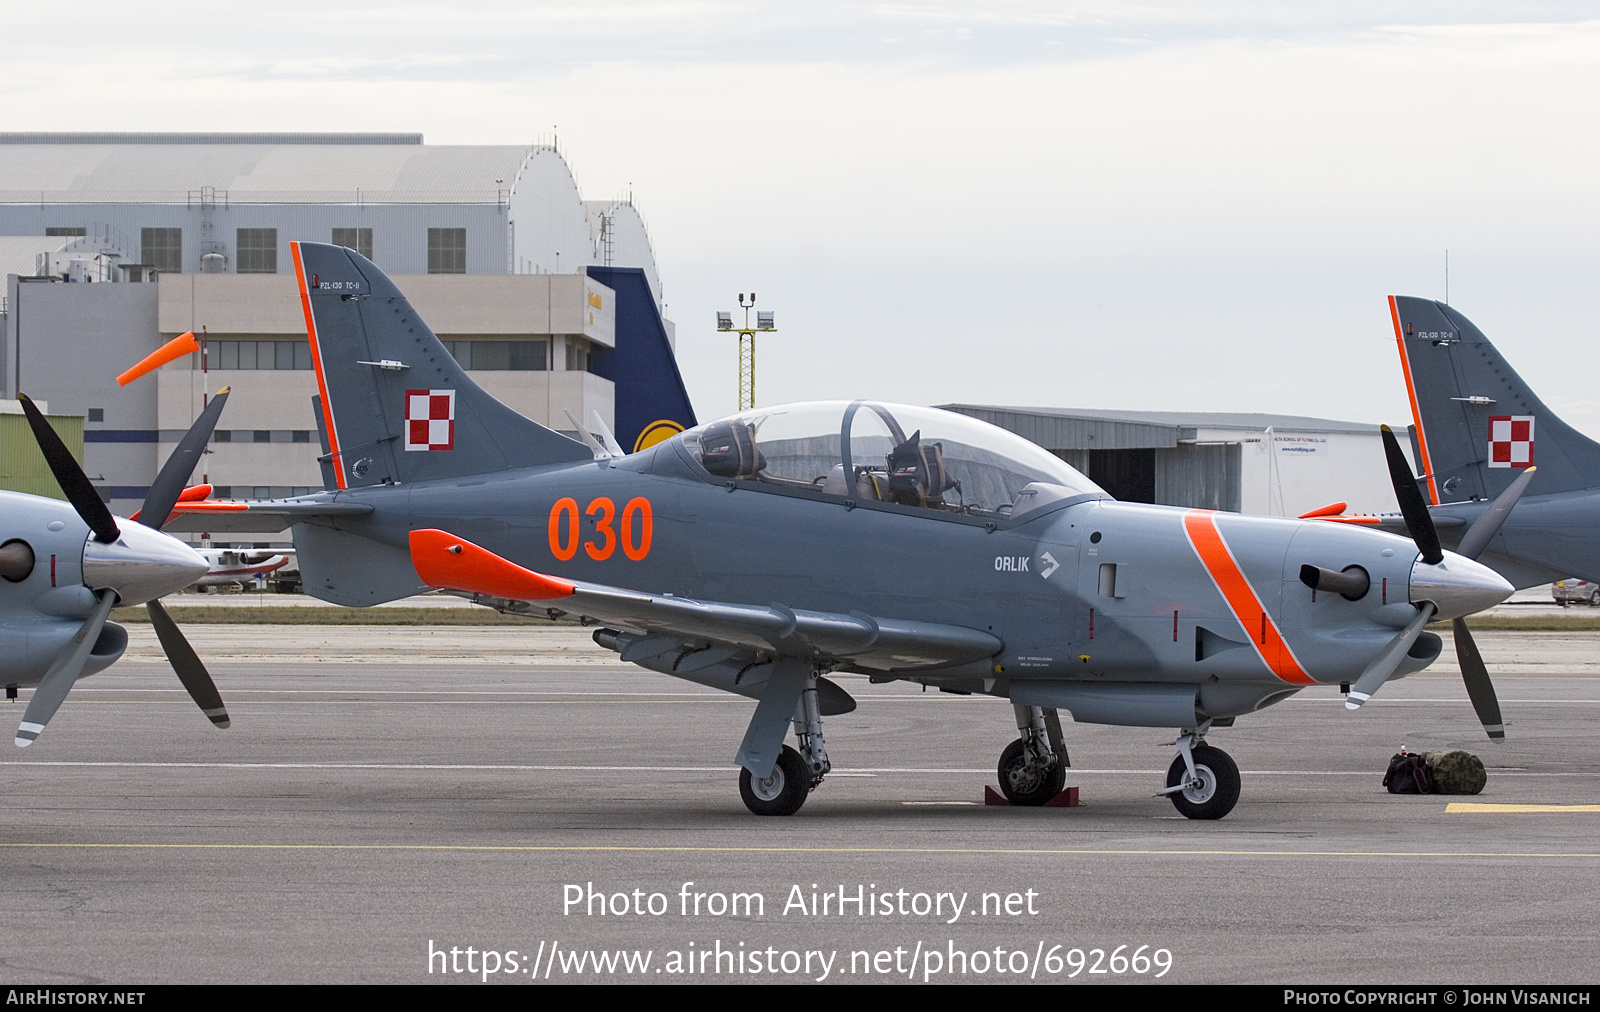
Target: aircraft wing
(448, 562)
(1392, 523)
(255, 516)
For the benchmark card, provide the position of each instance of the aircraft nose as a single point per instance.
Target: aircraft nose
(1457, 585)
(141, 565)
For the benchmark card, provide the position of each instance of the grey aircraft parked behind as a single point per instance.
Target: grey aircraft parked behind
(767, 553)
(1476, 428)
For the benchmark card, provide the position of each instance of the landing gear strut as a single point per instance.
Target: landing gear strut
(1033, 769)
(797, 773)
(1203, 782)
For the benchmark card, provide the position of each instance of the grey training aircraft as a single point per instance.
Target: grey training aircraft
(769, 552)
(66, 564)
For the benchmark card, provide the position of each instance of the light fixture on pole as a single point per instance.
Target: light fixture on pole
(747, 346)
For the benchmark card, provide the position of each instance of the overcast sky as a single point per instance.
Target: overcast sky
(1158, 205)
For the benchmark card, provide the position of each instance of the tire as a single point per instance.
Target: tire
(783, 792)
(1594, 598)
(1030, 795)
(1220, 791)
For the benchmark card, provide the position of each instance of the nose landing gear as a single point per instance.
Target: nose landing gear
(1203, 781)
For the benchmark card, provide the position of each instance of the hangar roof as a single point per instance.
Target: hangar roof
(1097, 428)
(253, 169)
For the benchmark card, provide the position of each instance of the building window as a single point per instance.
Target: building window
(66, 230)
(358, 239)
(258, 251)
(447, 251)
(162, 248)
(259, 354)
(97, 414)
(515, 356)
(577, 355)
(261, 435)
(301, 436)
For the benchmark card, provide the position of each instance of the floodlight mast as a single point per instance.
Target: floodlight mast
(747, 346)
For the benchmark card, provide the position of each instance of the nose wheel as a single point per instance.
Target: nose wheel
(1212, 788)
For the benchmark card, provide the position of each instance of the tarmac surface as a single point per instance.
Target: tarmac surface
(386, 790)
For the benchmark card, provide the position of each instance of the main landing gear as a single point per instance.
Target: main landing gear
(1203, 782)
(1033, 769)
(797, 773)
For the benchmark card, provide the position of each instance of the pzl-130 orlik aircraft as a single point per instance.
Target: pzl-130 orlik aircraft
(767, 552)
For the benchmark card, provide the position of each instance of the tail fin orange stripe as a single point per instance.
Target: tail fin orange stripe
(1411, 392)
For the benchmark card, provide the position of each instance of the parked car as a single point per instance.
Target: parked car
(1576, 592)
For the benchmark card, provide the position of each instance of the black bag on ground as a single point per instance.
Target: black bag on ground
(1408, 774)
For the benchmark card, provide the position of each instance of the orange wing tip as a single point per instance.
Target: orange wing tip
(1333, 509)
(448, 562)
(183, 344)
(1352, 520)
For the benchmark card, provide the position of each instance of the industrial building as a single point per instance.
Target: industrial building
(115, 243)
(1275, 465)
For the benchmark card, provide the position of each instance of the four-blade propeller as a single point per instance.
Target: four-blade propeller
(1420, 524)
(134, 566)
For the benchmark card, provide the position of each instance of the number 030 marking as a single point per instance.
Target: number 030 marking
(638, 524)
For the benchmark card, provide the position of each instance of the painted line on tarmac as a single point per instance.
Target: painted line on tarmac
(1472, 808)
(865, 771)
(625, 849)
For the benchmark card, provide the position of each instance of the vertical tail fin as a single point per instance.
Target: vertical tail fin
(1477, 423)
(395, 406)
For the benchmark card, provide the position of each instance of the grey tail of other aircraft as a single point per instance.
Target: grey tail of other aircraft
(1477, 425)
(392, 403)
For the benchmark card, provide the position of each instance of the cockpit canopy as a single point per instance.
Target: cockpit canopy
(893, 453)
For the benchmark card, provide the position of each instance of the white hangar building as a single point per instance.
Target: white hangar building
(1275, 465)
(112, 244)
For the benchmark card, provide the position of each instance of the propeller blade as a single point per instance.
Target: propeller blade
(1384, 664)
(1479, 689)
(74, 483)
(1418, 520)
(187, 664)
(169, 484)
(63, 671)
(1488, 523)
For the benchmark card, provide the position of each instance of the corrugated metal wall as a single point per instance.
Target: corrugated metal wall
(22, 466)
(1204, 477)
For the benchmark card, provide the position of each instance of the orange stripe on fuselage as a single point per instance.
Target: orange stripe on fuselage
(316, 364)
(1411, 392)
(1262, 631)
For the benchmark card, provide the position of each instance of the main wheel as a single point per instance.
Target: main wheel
(780, 793)
(1029, 791)
(1218, 790)
(1594, 598)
